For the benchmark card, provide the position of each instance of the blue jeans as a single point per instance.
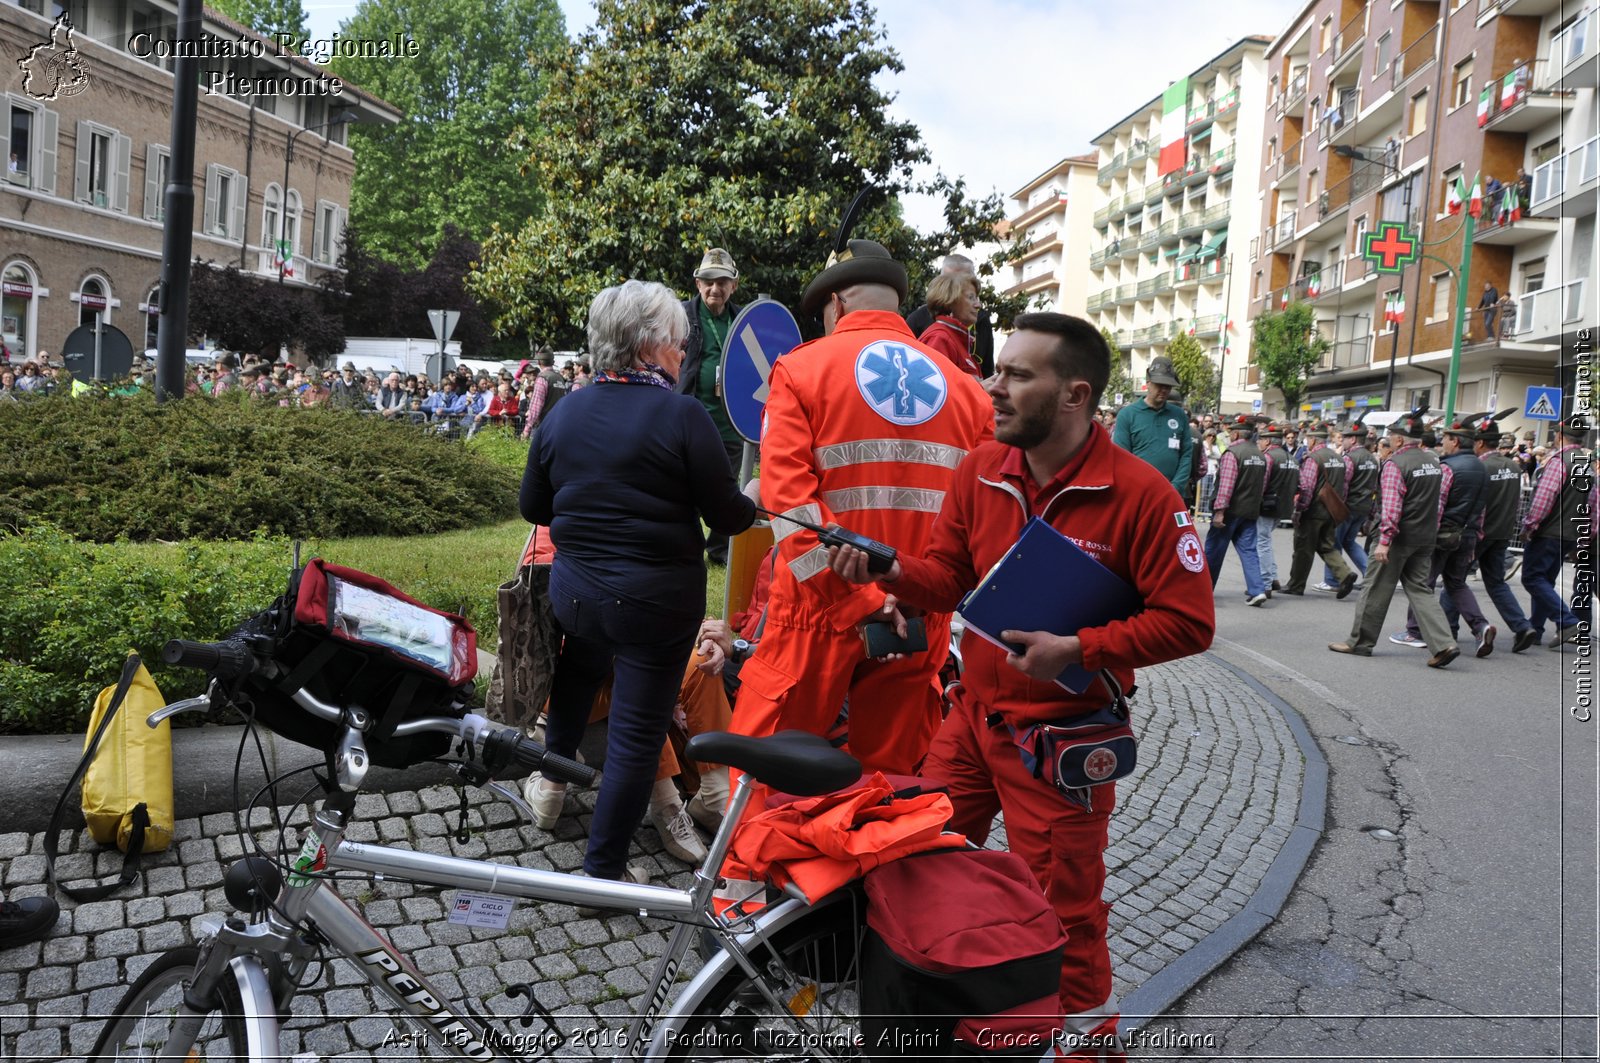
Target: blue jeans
(1242, 534)
(646, 651)
(1266, 558)
(1541, 567)
(1492, 567)
(1347, 538)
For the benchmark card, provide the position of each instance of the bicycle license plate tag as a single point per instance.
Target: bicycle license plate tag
(487, 910)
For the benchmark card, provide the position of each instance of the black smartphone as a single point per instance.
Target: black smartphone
(882, 641)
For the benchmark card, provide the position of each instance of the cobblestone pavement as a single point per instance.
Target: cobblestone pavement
(1211, 804)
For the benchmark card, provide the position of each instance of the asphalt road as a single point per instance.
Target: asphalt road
(1468, 931)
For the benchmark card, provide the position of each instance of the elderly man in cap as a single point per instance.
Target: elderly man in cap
(1456, 548)
(1157, 430)
(1277, 501)
(1412, 486)
(1322, 470)
(710, 313)
(1560, 518)
(1242, 475)
(348, 391)
(1361, 474)
(864, 428)
(1502, 497)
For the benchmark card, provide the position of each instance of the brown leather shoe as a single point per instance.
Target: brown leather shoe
(1345, 647)
(1443, 657)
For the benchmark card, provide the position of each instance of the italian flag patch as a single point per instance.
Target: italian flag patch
(1182, 517)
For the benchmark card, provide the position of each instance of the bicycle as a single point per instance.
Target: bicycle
(782, 981)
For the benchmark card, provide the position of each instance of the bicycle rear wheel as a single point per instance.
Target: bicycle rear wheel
(733, 1020)
(141, 1025)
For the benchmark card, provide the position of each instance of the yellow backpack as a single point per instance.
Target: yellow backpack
(127, 779)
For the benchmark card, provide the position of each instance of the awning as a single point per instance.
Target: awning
(1212, 246)
(1187, 255)
(1206, 132)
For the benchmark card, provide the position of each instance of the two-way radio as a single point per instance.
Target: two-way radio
(880, 556)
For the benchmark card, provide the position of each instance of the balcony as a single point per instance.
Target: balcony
(1125, 339)
(1545, 315)
(1097, 302)
(1572, 54)
(1189, 222)
(1354, 353)
(1210, 325)
(1098, 259)
(1150, 240)
(1213, 270)
(1289, 161)
(1163, 282)
(1518, 107)
(1324, 282)
(1527, 8)
(1228, 103)
(1102, 217)
(1512, 233)
(1565, 186)
(1281, 233)
(1215, 217)
(1290, 100)
(1387, 90)
(1126, 293)
(1140, 151)
(1200, 116)
(1150, 335)
(1222, 161)
(1146, 288)
(1347, 43)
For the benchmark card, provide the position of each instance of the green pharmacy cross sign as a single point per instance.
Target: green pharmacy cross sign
(1390, 247)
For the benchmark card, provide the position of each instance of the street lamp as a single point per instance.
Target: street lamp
(1346, 152)
(341, 117)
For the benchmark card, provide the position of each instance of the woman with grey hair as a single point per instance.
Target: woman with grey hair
(622, 473)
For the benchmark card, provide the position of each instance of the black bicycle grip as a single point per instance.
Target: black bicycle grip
(560, 768)
(228, 659)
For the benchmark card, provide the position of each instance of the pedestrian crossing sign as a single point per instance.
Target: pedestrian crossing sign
(1544, 404)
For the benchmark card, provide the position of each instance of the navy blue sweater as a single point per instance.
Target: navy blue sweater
(622, 474)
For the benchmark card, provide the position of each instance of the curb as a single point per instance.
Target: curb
(1165, 988)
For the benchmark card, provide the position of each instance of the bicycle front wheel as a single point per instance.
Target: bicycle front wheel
(815, 968)
(141, 1027)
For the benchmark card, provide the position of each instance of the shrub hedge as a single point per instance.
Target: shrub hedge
(124, 467)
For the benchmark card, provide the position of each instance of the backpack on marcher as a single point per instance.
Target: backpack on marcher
(127, 780)
(961, 957)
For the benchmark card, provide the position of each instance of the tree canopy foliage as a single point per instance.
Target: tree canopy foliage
(1121, 380)
(381, 298)
(266, 16)
(479, 69)
(249, 314)
(1196, 372)
(1286, 347)
(675, 126)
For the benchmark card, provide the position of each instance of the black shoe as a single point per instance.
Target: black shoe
(1486, 641)
(1523, 639)
(1277, 586)
(1346, 585)
(25, 920)
(1297, 594)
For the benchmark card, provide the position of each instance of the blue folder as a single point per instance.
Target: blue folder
(1045, 582)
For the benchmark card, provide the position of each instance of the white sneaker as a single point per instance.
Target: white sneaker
(546, 799)
(1405, 638)
(1257, 600)
(678, 834)
(1324, 586)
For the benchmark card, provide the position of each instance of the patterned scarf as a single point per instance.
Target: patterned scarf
(649, 373)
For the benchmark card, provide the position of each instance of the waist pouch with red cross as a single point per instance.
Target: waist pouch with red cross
(1079, 752)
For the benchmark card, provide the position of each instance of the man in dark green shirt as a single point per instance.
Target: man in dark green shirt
(1157, 430)
(711, 313)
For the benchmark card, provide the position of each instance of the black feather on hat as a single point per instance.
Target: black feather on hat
(853, 262)
(1466, 425)
(1410, 424)
(1489, 426)
(1575, 426)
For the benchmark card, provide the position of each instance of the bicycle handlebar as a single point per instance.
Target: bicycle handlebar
(228, 659)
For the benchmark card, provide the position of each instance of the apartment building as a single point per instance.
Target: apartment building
(1377, 110)
(1054, 214)
(1170, 234)
(85, 130)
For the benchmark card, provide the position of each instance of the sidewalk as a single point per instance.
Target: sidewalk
(1213, 827)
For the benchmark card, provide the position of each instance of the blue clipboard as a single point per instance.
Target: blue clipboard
(1045, 582)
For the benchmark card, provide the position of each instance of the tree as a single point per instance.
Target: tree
(380, 298)
(746, 124)
(251, 315)
(1286, 347)
(1196, 372)
(267, 16)
(478, 71)
(1121, 379)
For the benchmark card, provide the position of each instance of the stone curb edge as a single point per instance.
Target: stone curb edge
(1159, 993)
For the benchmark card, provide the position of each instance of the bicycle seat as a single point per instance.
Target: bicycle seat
(796, 762)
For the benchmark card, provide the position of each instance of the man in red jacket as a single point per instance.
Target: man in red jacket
(864, 427)
(1051, 460)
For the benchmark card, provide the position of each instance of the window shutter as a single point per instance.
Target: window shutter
(123, 148)
(241, 200)
(338, 233)
(44, 178)
(5, 134)
(80, 184)
(209, 222)
(153, 192)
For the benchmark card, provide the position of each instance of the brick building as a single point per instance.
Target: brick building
(1376, 111)
(87, 146)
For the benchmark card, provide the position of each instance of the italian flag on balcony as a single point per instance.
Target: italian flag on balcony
(1508, 90)
(1458, 193)
(1483, 107)
(1510, 205)
(1394, 307)
(281, 259)
(1314, 286)
(1475, 200)
(1174, 113)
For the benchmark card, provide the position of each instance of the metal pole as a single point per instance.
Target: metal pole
(283, 199)
(172, 334)
(1394, 351)
(1222, 360)
(1460, 317)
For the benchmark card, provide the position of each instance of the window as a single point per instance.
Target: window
(1325, 35)
(1400, 202)
(1361, 232)
(28, 140)
(1381, 66)
(157, 160)
(20, 146)
(152, 317)
(1255, 286)
(226, 194)
(18, 322)
(292, 221)
(271, 216)
(101, 178)
(1447, 182)
(1418, 122)
(1533, 276)
(330, 232)
(1441, 297)
(1462, 82)
(94, 301)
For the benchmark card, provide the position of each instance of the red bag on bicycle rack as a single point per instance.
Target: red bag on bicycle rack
(352, 639)
(962, 956)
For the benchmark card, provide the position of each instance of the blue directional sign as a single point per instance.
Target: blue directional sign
(763, 331)
(1544, 404)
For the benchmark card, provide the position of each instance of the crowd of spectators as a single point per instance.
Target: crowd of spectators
(461, 403)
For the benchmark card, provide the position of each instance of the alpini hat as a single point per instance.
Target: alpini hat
(1317, 431)
(1466, 426)
(1575, 426)
(715, 264)
(1272, 430)
(1410, 425)
(861, 262)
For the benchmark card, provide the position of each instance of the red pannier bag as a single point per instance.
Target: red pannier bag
(351, 639)
(962, 957)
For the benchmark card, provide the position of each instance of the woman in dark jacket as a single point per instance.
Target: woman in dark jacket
(622, 473)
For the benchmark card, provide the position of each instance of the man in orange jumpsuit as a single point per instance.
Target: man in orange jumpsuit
(862, 428)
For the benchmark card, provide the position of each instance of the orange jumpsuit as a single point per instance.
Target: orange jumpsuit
(863, 428)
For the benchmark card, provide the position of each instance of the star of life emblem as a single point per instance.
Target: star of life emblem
(900, 383)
